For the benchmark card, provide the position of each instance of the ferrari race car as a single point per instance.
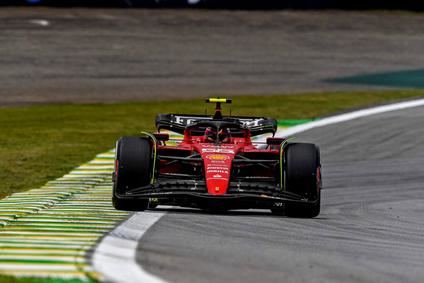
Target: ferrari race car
(217, 165)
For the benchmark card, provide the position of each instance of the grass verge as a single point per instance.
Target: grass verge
(40, 143)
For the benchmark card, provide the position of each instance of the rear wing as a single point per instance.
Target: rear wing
(178, 122)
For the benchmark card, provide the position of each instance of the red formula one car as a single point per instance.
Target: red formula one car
(216, 166)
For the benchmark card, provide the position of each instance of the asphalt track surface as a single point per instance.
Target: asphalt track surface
(107, 55)
(370, 230)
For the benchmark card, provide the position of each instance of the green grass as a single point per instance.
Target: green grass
(40, 143)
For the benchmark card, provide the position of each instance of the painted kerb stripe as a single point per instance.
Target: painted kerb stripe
(51, 231)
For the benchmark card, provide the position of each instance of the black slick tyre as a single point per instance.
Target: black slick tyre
(303, 177)
(134, 167)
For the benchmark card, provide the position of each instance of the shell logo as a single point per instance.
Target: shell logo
(217, 157)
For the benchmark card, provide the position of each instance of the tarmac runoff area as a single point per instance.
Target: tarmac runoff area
(107, 55)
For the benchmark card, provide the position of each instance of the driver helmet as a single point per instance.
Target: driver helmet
(210, 133)
(223, 134)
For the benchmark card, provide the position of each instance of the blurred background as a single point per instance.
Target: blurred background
(243, 4)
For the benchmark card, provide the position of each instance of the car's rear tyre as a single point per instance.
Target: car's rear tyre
(133, 170)
(302, 177)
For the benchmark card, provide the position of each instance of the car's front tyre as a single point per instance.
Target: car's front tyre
(302, 177)
(133, 169)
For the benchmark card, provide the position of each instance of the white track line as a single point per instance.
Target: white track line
(115, 257)
(350, 116)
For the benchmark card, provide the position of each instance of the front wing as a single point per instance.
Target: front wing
(194, 194)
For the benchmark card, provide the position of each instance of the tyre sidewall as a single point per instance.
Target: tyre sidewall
(301, 165)
(134, 168)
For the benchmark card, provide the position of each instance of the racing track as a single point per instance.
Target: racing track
(370, 230)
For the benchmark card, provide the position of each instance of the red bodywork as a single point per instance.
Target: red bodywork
(215, 164)
(217, 158)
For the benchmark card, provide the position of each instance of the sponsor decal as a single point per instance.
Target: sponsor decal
(187, 120)
(216, 167)
(218, 157)
(218, 171)
(218, 146)
(218, 150)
